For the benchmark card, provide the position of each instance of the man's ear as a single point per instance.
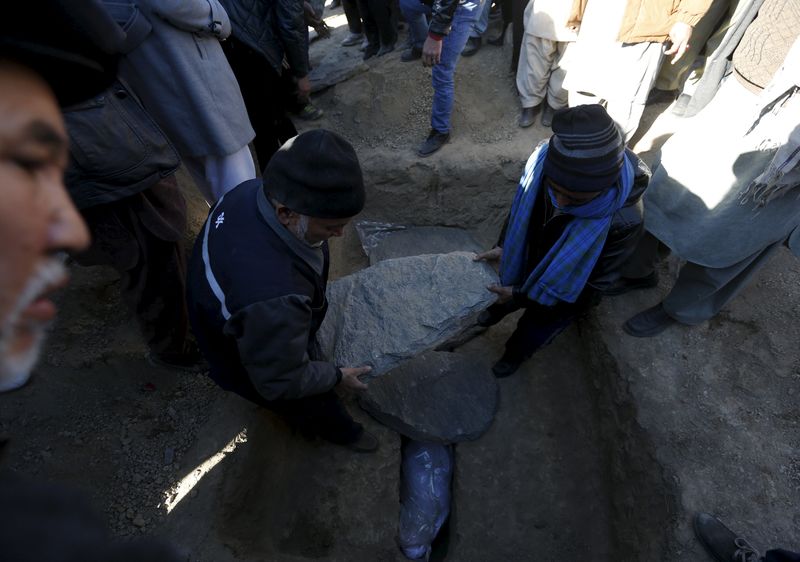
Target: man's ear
(284, 213)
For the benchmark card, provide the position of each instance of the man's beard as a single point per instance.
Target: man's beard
(301, 230)
(16, 366)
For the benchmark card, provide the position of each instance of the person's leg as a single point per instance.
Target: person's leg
(323, 415)
(226, 172)
(443, 75)
(533, 72)
(140, 237)
(536, 328)
(700, 292)
(482, 24)
(353, 16)
(557, 96)
(415, 14)
(629, 100)
(672, 76)
(370, 28)
(260, 86)
(387, 32)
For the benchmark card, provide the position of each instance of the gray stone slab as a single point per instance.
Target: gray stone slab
(336, 66)
(438, 397)
(393, 311)
(399, 242)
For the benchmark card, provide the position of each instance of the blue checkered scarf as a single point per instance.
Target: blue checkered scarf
(564, 270)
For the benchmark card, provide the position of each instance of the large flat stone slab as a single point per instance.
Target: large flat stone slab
(393, 311)
(438, 397)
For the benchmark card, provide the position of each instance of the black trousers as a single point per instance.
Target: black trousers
(353, 16)
(141, 238)
(267, 95)
(539, 324)
(380, 23)
(321, 414)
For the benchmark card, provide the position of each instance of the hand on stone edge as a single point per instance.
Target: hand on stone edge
(495, 254)
(504, 294)
(350, 377)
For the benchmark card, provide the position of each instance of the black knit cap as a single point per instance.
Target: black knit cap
(586, 151)
(72, 45)
(316, 174)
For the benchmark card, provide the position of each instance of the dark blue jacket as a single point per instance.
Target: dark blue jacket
(273, 28)
(256, 297)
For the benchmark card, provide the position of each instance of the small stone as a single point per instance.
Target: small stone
(139, 521)
(169, 455)
(137, 478)
(194, 493)
(130, 514)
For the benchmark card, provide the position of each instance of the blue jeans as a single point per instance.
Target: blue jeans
(482, 23)
(443, 75)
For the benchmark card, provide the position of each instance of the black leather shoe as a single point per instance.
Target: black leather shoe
(722, 543)
(473, 46)
(507, 366)
(649, 323)
(371, 50)
(661, 96)
(527, 117)
(625, 284)
(413, 53)
(366, 443)
(500, 40)
(547, 115)
(434, 142)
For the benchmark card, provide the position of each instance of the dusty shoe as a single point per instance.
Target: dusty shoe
(310, 112)
(352, 39)
(473, 46)
(626, 284)
(371, 50)
(189, 360)
(413, 53)
(527, 117)
(385, 50)
(434, 142)
(507, 365)
(649, 322)
(547, 115)
(722, 543)
(366, 443)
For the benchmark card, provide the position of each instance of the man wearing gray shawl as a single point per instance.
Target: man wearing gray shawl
(726, 195)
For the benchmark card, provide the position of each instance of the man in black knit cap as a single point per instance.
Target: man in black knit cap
(575, 219)
(257, 280)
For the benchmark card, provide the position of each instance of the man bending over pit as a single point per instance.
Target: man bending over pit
(575, 219)
(257, 281)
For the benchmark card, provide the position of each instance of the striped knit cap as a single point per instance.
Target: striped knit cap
(586, 151)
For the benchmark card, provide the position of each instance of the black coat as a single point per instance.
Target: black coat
(627, 227)
(274, 28)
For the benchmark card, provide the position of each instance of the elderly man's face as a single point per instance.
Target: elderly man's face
(37, 218)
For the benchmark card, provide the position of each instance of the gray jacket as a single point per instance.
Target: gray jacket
(184, 80)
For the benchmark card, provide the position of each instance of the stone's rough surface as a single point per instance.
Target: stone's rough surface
(336, 67)
(397, 309)
(418, 240)
(439, 397)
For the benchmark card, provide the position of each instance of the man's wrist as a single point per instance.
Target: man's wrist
(435, 36)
